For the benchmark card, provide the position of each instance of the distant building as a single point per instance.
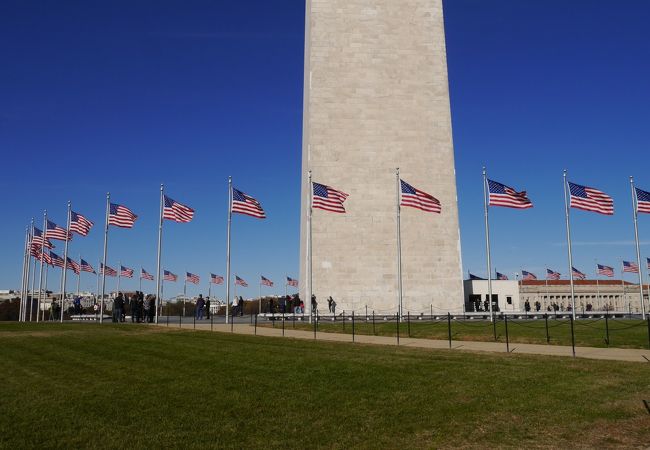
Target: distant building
(595, 295)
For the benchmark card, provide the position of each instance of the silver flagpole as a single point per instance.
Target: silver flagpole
(597, 285)
(160, 230)
(29, 271)
(65, 261)
(97, 274)
(103, 269)
(38, 311)
(399, 246)
(209, 288)
(635, 214)
(25, 265)
(40, 273)
(487, 243)
(228, 247)
(570, 253)
(184, 293)
(310, 287)
(31, 298)
(548, 299)
(140, 286)
(119, 276)
(79, 276)
(260, 294)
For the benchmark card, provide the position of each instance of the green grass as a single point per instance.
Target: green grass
(91, 386)
(623, 333)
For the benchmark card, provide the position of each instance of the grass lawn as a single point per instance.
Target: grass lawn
(92, 386)
(623, 333)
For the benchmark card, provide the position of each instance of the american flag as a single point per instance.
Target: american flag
(216, 279)
(79, 224)
(528, 276)
(292, 282)
(647, 261)
(327, 198)
(577, 274)
(145, 275)
(266, 282)
(416, 198)
(85, 267)
(605, 270)
(631, 267)
(475, 277)
(552, 275)
(240, 281)
(53, 231)
(502, 195)
(36, 253)
(177, 211)
(168, 276)
(501, 276)
(108, 271)
(126, 272)
(121, 216)
(642, 201)
(245, 204)
(57, 261)
(37, 240)
(192, 278)
(74, 266)
(590, 199)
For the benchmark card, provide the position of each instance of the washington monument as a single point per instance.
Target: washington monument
(376, 98)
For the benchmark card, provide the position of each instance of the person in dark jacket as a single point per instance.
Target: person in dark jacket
(118, 304)
(152, 307)
(207, 308)
(200, 304)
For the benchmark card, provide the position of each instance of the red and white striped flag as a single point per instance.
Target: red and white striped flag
(577, 274)
(605, 270)
(240, 281)
(57, 261)
(327, 198)
(176, 211)
(552, 275)
(168, 276)
(145, 275)
(292, 282)
(216, 279)
(416, 198)
(245, 204)
(266, 282)
(79, 224)
(192, 278)
(109, 271)
(126, 272)
(53, 231)
(642, 201)
(631, 267)
(528, 276)
(74, 266)
(38, 240)
(502, 195)
(590, 199)
(86, 267)
(121, 216)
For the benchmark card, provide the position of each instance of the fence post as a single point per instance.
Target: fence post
(494, 326)
(507, 339)
(352, 326)
(373, 322)
(255, 324)
(194, 321)
(408, 322)
(548, 338)
(607, 328)
(449, 327)
(573, 338)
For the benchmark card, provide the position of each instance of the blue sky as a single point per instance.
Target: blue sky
(121, 96)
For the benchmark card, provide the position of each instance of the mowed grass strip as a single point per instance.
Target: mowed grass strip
(91, 386)
(622, 333)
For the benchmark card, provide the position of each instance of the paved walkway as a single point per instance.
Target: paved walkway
(616, 354)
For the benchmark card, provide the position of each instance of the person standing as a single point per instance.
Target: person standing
(207, 308)
(235, 305)
(241, 306)
(152, 307)
(333, 306)
(117, 308)
(200, 303)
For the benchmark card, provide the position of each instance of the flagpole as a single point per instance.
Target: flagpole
(597, 283)
(30, 273)
(635, 214)
(31, 299)
(97, 274)
(103, 269)
(140, 284)
(119, 275)
(548, 299)
(40, 273)
(399, 245)
(65, 261)
(260, 294)
(25, 265)
(570, 254)
(310, 287)
(79, 276)
(38, 311)
(184, 292)
(487, 244)
(228, 247)
(209, 289)
(158, 283)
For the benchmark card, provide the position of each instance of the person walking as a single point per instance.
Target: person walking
(200, 304)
